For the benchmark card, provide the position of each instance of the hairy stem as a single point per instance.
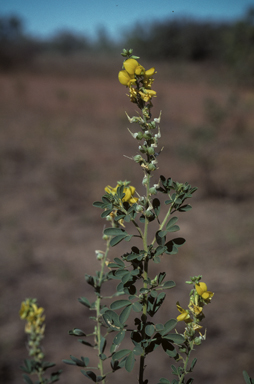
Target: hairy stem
(98, 310)
(145, 276)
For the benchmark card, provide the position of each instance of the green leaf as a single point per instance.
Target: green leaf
(172, 245)
(185, 208)
(174, 370)
(27, 379)
(85, 343)
(102, 344)
(119, 304)
(159, 327)
(247, 378)
(164, 381)
(70, 362)
(90, 374)
(98, 204)
(114, 231)
(149, 330)
(161, 277)
(76, 332)
(127, 277)
(128, 238)
(119, 262)
(78, 362)
(137, 307)
(125, 314)
(162, 233)
(129, 364)
(138, 350)
(127, 218)
(169, 348)
(119, 338)
(160, 240)
(47, 364)
(84, 301)
(156, 206)
(116, 240)
(105, 200)
(175, 338)
(169, 284)
(112, 320)
(174, 228)
(120, 354)
(168, 326)
(160, 250)
(171, 222)
(106, 213)
(193, 364)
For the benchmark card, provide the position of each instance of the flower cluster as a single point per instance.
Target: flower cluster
(192, 316)
(128, 192)
(138, 80)
(35, 326)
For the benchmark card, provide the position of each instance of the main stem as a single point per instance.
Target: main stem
(98, 311)
(145, 276)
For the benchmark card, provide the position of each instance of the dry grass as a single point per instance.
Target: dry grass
(61, 141)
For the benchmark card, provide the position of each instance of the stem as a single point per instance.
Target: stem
(181, 378)
(98, 312)
(164, 221)
(145, 276)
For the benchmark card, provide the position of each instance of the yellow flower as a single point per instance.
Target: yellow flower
(128, 190)
(150, 72)
(185, 316)
(130, 66)
(147, 95)
(195, 308)
(24, 310)
(202, 291)
(196, 327)
(125, 78)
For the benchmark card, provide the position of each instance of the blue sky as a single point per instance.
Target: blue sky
(45, 17)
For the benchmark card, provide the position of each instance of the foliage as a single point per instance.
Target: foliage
(35, 328)
(138, 291)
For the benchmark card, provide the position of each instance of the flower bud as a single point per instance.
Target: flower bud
(138, 159)
(139, 208)
(148, 213)
(138, 135)
(147, 135)
(105, 237)
(197, 341)
(108, 218)
(151, 167)
(145, 180)
(150, 151)
(142, 149)
(153, 191)
(99, 255)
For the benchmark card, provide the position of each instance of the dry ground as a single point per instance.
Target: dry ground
(62, 140)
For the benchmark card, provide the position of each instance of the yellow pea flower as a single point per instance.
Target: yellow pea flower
(130, 66)
(195, 308)
(128, 190)
(202, 291)
(150, 72)
(147, 95)
(139, 70)
(185, 316)
(125, 78)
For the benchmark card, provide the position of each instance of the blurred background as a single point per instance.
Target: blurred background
(62, 140)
